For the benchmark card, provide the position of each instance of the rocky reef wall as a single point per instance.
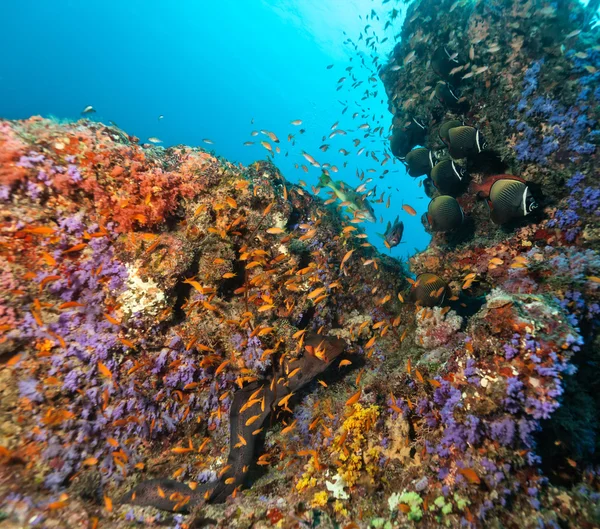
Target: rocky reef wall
(526, 76)
(145, 290)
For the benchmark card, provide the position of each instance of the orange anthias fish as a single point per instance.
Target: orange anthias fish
(409, 209)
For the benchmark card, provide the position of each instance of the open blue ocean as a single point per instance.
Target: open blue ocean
(218, 71)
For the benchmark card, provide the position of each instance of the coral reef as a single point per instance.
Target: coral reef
(527, 290)
(144, 289)
(149, 295)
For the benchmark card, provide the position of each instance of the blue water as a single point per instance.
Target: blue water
(211, 68)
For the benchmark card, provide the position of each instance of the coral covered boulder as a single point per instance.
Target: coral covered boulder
(189, 342)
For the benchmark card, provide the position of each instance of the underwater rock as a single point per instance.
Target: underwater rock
(527, 272)
(404, 139)
(165, 285)
(146, 291)
(436, 331)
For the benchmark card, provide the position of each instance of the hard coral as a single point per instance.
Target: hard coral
(12, 149)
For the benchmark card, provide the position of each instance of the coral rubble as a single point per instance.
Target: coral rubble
(150, 295)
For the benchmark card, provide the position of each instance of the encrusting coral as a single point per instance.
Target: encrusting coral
(149, 295)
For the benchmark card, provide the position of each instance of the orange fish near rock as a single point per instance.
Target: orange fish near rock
(246, 422)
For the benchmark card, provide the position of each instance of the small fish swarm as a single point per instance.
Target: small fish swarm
(143, 286)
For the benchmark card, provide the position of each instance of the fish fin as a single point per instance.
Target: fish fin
(493, 213)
